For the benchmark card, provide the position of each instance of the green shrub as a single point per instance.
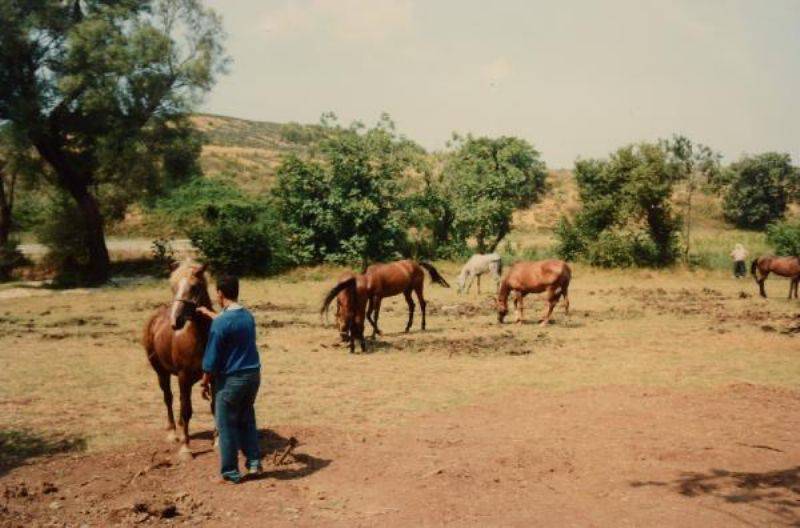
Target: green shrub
(784, 237)
(10, 259)
(626, 219)
(62, 230)
(759, 189)
(242, 239)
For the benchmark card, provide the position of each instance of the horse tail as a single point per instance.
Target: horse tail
(499, 267)
(435, 276)
(753, 267)
(148, 337)
(347, 284)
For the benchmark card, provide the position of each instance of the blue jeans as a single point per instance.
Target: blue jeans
(234, 413)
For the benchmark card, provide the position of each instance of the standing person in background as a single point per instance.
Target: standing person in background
(739, 255)
(231, 359)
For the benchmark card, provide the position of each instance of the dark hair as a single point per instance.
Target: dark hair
(229, 286)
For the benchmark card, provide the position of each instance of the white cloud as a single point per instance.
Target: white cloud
(345, 19)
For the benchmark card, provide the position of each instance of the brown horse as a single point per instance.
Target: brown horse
(783, 266)
(351, 305)
(552, 276)
(394, 278)
(175, 338)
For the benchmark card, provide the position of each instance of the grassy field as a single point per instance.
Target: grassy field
(71, 366)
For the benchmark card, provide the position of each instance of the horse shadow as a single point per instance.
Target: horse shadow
(776, 492)
(272, 446)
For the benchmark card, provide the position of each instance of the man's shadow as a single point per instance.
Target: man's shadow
(272, 445)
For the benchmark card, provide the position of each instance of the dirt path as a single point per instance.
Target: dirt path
(608, 456)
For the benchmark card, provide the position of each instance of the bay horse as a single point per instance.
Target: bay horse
(394, 278)
(783, 266)
(551, 276)
(175, 338)
(351, 305)
(477, 265)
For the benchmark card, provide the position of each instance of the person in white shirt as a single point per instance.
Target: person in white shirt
(739, 255)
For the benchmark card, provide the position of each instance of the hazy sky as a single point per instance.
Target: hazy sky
(576, 78)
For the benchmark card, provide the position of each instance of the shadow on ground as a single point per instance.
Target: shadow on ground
(17, 446)
(777, 492)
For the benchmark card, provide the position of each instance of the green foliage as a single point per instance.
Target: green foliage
(626, 219)
(242, 239)
(61, 230)
(11, 258)
(101, 90)
(784, 237)
(485, 180)
(234, 233)
(758, 189)
(163, 255)
(347, 207)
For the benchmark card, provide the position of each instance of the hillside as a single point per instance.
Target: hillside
(248, 152)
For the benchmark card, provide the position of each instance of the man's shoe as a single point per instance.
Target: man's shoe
(254, 471)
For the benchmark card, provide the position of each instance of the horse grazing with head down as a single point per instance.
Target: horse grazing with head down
(783, 266)
(175, 339)
(477, 265)
(552, 276)
(351, 305)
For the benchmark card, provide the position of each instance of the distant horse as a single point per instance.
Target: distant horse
(552, 276)
(175, 338)
(394, 278)
(351, 304)
(476, 266)
(783, 266)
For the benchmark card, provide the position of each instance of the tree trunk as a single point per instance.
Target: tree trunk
(77, 186)
(6, 199)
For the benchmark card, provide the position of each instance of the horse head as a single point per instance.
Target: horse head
(190, 290)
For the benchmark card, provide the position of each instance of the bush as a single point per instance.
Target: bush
(10, 259)
(242, 239)
(784, 237)
(758, 190)
(626, 219)
(62, 230)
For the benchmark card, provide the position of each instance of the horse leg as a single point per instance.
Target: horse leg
(376, 312)
(422, 303)
(185, 383)
(468, 282)
(552, 300)
(166, 389)
(760, 280)
(565, 295)
(519, 304)
(410, 303)
(478, 281)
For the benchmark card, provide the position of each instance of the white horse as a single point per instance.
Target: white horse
(476, 266)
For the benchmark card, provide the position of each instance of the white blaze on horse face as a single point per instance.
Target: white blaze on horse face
(181, 293)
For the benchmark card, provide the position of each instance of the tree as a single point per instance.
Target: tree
(696, 164)
(626, 219)
(101, 90)
(486, 180)
(758, 189)
(345, 206)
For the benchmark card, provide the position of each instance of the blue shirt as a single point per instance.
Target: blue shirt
(231, 343)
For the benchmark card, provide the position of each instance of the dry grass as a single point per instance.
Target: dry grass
(71, 363)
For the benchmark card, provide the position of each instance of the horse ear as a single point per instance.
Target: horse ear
(174, 265)
(199, 270)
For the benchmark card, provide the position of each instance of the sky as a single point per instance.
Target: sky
(576, 78)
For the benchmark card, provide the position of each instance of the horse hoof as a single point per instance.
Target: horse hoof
(172, 437)
(185, 454)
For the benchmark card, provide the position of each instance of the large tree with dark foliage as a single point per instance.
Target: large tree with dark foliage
(101, 90)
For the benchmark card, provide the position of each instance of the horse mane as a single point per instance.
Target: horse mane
(182, 271)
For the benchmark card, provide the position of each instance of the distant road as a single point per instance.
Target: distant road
(133, 246)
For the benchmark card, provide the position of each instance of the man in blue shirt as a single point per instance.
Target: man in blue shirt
(231, 359)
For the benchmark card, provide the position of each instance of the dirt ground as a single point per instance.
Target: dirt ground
(664, 399)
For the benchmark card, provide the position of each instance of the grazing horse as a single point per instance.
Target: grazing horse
(351, 305)
(552, 276)
(175, 338)
(394, 278)
(783, 266)
(476, 266)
